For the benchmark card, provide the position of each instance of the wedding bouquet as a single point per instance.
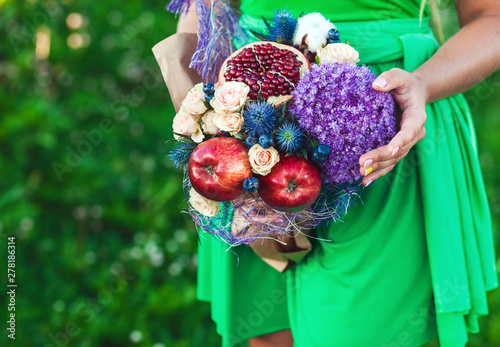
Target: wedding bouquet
(274, 142)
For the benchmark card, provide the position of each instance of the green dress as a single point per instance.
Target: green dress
(409, 263)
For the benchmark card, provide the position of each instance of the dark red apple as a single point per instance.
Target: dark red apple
(218, 167)
(292, 185)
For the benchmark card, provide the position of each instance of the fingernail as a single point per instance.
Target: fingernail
(369, 182)
(370, 169)
(368, 162)
(379, 81)
(395, 150)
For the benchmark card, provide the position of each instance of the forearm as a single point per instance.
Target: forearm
(188, 21)
(464, 60)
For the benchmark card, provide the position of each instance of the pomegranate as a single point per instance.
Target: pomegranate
(268, 68)
(292, 185)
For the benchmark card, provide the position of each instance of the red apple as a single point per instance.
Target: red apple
(218, 167)
(292, 185)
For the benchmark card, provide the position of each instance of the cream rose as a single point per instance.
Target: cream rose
(186, 124)
(203, 205)
(231, 122)
(194, 103)
(230, 97)
(208, 125)
(337, 53)
(263, 160)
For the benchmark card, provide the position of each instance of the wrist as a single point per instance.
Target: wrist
(422, 85)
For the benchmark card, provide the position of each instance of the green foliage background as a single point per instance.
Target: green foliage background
(104, 258)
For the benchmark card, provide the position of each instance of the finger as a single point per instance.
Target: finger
(389, 80)
(412, 131)
(376, 175)
(397, 148)
(381, 159)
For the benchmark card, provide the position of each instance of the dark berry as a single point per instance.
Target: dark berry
(323, 150)
(333, 34)
(250, 141)
(266, 140)
(318, 158)
(251, 184)
(333, 41)
(208, 88)
(221, 133)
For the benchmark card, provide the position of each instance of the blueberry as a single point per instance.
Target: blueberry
(208, 88)
(317, 157)
(333, 41)
(251, 184)
(323, 150)
(221, 133)
(266, 140)
(333, 34)
(250, 141)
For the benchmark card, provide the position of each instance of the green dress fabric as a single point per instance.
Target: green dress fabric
(413, 259)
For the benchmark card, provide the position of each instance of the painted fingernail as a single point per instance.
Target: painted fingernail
(379, 81)
(395, 150)
(368, 162)
(369, 182)
(370, 169)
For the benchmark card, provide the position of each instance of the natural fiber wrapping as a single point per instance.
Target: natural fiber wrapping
(282, 256)
(174, 56)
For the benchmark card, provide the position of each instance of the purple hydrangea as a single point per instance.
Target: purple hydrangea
(336, 104)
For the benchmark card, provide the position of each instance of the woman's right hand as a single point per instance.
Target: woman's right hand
(410, 94)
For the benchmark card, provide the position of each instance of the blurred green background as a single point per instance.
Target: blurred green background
(104, 257)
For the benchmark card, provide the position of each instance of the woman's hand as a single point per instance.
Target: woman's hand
(409, 92)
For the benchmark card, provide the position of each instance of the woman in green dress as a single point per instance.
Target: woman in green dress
(414, 260)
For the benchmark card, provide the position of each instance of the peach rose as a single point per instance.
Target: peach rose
(231, 122)
(263, 160)
(208, 125)
(186, 124)
(194, 103)
(337, 53)
(230, 97)
(203, 205)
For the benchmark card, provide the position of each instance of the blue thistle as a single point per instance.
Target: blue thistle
(181, 153)
(281, 29)
(260, 117)
(290, 138)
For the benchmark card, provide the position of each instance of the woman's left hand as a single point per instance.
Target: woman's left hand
(409, 92)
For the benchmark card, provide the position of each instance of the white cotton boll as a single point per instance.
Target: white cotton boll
(316, 27)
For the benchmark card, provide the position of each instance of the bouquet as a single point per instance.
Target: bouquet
(274, 142)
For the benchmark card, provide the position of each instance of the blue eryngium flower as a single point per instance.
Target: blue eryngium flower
(281, 28)
(290, 138)
(181, 153)
(259, 118)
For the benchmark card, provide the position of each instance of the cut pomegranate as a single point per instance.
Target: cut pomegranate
(270, 69)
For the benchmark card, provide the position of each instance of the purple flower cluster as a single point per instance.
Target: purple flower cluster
(336, 104)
